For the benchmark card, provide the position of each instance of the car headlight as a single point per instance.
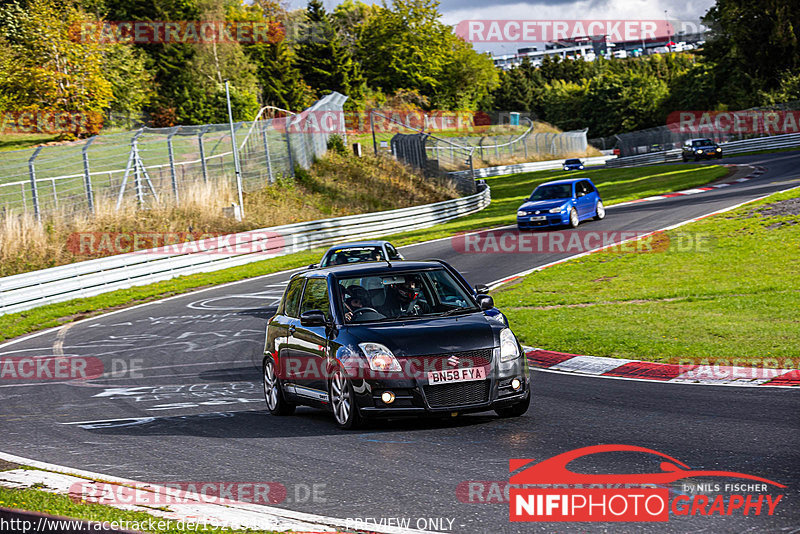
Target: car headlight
(719, 149)
(379, 357)
(699, 151)
(521, 213)
(556, 210)
(580, 167)
(508, 345)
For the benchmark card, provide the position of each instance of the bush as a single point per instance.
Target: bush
(336, 144)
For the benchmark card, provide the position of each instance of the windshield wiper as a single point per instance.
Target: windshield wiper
(453, 311)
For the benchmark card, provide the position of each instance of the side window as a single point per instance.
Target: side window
(579, 189)
(393, 254)
(315, 297)
(588, 187)
(291, 299)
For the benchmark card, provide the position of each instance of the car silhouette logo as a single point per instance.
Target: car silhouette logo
(554, 470)
(452, 361)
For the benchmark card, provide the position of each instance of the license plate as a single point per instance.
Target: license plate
(539, 218)
(456, 375)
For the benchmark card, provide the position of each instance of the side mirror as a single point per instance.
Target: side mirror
(312, 266)
(481, 288)
(312, 318)
(485, 302)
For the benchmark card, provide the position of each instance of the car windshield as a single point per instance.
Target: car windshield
(342, 256)
(552, 192)
(398, 296)
(701, 142)
(573, 162)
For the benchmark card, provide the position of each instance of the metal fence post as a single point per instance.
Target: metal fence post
(270, 178)
(237, 169)
(55, 192)
(34, 190)
(372, 127)
(289, 148)
(203, 166)
(172, 175)
(87, 178)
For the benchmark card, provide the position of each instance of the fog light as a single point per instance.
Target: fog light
(387, 397)
(516, 384)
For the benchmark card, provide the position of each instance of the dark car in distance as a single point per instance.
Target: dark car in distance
(573, 165)
(383, 340)
(701, 148)
(359, 251)
(561, 203)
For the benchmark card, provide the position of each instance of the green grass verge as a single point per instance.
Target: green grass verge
(734, 298)
(61, 505)
(508, 192)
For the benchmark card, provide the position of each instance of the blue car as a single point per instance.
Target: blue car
(561, 203)
(573, 165)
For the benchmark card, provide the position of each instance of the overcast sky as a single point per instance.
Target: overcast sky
(454, 11)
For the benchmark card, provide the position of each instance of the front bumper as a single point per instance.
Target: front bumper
(551, 219)
(415, 397)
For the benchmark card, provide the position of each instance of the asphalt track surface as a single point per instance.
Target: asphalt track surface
(194, 411)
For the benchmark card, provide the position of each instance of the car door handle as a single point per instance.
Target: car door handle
(291, 329)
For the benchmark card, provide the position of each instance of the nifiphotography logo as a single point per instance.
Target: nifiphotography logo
(645, 497)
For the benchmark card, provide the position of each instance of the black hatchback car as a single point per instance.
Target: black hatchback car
(390, 339)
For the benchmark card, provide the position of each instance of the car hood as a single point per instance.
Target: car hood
(543, 204)
(437, 335)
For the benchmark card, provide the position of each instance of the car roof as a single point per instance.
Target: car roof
(354, 244)
(372, 268)
(700, 139)
(563, 182)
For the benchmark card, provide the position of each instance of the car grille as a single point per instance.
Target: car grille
(458, 394)
(438, 362)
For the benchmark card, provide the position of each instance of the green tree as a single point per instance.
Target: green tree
(323, 61)
(754, 46)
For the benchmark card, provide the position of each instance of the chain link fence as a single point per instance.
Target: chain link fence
(667, 137)
(159, 164)
(459, 156)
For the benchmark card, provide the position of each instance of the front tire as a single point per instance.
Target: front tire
(273, 393)
(515, 410)
(574, 221)
(343, 402)
(599, 211)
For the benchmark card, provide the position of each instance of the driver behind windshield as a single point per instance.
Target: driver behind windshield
(351, 305)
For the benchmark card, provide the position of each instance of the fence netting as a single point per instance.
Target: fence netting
(159, 164)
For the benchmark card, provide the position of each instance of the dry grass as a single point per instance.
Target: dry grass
(336, 185)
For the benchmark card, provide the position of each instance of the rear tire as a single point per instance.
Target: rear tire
(273, 392)
(574, 221)
(599, 211)
(343, 402)
(515, 410)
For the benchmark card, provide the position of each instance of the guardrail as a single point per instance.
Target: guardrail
(93, 277)
(729, 148)
(529, 167)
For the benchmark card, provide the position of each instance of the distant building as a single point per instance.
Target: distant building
(590, 48)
